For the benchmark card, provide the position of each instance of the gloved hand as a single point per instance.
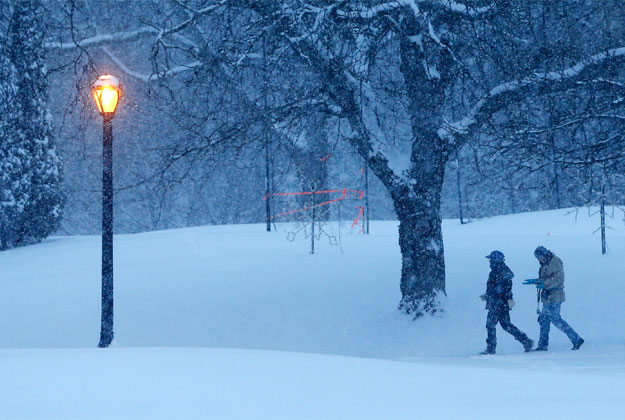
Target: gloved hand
(511, 303)
(531, 281)
(540, 285)
(483, 297)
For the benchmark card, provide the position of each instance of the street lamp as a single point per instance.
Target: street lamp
(106, 93)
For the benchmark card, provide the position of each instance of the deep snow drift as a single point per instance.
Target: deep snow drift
(217, 289)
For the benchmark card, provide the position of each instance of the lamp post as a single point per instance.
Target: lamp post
(106, 93)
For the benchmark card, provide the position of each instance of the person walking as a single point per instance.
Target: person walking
(550, 282)
(499, 302)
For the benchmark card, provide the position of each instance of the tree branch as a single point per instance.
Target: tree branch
(449, 5)
(104, 39)
(500, 95)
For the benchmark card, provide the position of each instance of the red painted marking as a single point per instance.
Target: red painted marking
(309, 207)
(301, 193)
(344, 191)
(345, 194)
(329, 155)
(356, 221)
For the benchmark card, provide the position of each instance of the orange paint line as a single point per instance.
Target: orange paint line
(344, 191)
(345, 194)
(356, 221)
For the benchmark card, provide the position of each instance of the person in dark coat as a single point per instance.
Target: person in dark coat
(499, 301)
(551, 284)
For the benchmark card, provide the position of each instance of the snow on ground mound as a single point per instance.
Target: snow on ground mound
(180, 383)
(240, 287)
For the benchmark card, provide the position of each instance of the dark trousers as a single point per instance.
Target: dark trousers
(551, 315)
(502, 317)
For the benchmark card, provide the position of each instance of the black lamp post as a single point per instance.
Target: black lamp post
(106, 93)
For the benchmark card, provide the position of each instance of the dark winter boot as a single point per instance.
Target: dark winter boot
(578, 344)
(543, 344)
(527, 346)
(488, 351)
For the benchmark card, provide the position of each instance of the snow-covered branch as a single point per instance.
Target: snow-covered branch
(104, 39)
(150, 77)
(177, 70)
(496, 95)
(449, 5)
(370, 12)
(129, 36)
(196, 14)
(453, 6)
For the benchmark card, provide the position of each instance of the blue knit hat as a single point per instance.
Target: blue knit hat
(496, 256)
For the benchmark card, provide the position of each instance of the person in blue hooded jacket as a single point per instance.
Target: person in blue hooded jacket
(499, 301)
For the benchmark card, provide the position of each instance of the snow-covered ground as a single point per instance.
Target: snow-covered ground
(234, 322)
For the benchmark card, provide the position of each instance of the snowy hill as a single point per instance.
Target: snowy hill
(197, 309)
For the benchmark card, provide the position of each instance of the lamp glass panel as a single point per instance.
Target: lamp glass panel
(108, 99)
(97, 99)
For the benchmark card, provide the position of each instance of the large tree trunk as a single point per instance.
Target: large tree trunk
(425, 68)
(420, 234)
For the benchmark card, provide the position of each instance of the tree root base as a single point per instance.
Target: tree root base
(419, 306)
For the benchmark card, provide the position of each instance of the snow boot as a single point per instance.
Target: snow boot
(488, 351)
(540, 348)
(578, 344)
(527, 346)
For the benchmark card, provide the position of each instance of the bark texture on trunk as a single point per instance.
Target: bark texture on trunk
(421, 244)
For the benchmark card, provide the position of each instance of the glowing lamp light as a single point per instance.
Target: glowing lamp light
(106, 93)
